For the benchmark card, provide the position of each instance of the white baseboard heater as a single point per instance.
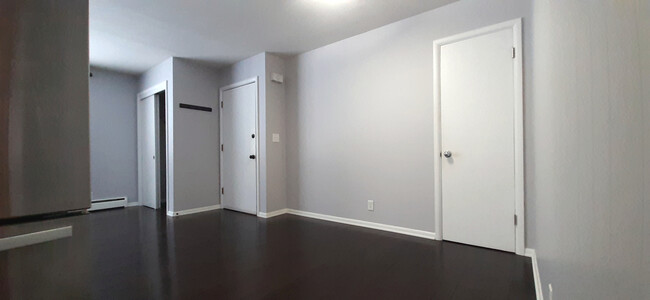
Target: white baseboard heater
(108, 203)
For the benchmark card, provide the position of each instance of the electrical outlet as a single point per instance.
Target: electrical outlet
(371, 205)
(550, 291)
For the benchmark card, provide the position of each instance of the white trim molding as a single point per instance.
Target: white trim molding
(354, 222)
(515, 26)
(162, 87)
(273, 213)
(132, 204)
(538, 283)
(366, 224)
(35, 238)
(193, 210)
(108, 203)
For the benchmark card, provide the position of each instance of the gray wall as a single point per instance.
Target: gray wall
(585, 148)
(644, 39)
(360, 127)
(44, 147)
(276, 156)
(113, 135)
(196, 135)
(159, 73)
(194, 155)
(360, 117)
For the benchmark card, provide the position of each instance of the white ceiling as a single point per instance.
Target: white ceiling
(134, 35)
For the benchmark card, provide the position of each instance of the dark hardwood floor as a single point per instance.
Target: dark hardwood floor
(138, 253)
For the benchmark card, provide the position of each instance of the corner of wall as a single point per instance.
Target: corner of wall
(272, 117)
(275, 125)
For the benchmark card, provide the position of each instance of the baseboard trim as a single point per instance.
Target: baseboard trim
(108, 203)
(538, 283)
(366, 224)
(193, 211)
(38, 237)
(273, 213)
(132, 204)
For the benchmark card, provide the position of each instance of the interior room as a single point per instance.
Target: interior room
(325, 149)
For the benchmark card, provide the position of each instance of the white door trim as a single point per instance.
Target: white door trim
(160, 87)
(255, 81)
(515, 25)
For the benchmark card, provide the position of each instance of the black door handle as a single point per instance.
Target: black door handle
(252, 156)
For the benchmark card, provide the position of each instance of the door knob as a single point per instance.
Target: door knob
(447, 154)
(252, 156)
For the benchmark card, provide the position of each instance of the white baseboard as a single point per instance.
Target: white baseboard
(131, 204)
(273, 213)
(108, 203)
(193, 211)
(35, 238)
(378, 226)
(538, 283)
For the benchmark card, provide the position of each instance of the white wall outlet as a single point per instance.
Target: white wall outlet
(550, 291)
(276, 137)
(371, 205)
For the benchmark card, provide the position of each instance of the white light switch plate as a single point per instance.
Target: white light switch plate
(275, 77)
(276, 137)
(371, 205)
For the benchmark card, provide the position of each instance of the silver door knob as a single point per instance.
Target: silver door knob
(447, 154)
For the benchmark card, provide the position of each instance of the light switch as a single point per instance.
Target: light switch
(275, 77)
(276, 137)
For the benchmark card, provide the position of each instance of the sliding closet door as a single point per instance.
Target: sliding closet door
(147, 151)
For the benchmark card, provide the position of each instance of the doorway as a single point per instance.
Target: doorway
(153, 147)
(238, 115)
(479, 138)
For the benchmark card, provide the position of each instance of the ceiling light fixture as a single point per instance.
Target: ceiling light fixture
(332, 2)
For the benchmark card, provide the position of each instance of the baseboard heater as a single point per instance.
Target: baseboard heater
(108, 203)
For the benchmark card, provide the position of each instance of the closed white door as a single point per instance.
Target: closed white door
(239, 148)
(477, 136)
(147, 151)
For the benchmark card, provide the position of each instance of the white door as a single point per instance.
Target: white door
(147, 151)
(477, 107)
(239, 148)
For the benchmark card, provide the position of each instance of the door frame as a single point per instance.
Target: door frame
(158, 88)
(255, 81)
(515, 25)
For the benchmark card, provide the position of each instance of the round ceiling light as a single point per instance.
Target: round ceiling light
(332, 2)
